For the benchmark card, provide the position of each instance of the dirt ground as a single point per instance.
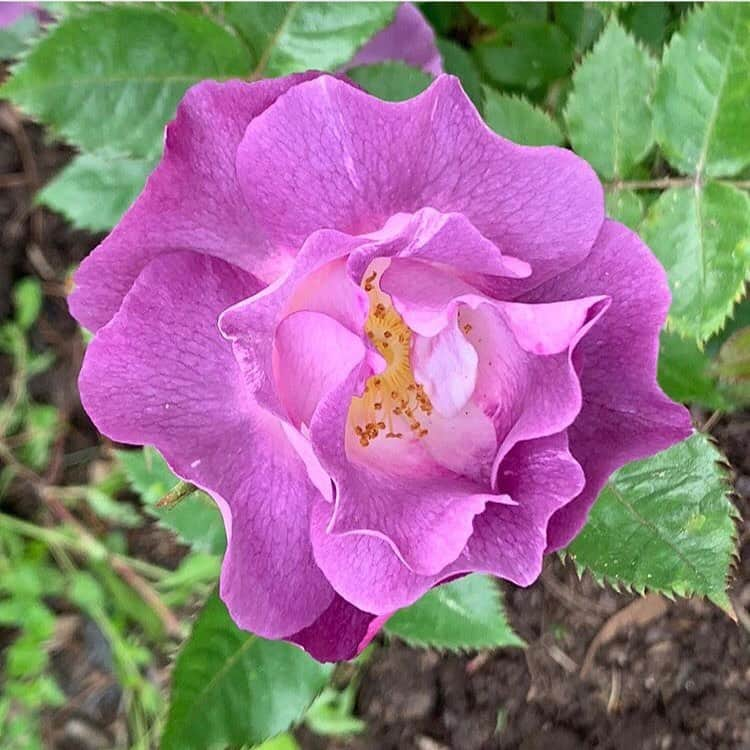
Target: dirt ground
(603, 670)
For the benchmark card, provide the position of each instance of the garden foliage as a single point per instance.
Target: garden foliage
(654, 97)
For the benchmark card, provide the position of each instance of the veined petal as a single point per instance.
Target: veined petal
(192, 201)
(160, 373)
(625, 415)
(329, 155)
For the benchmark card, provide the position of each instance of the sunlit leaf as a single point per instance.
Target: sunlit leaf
(702, 237)
(664, 524)
(465, 614)
(230, 687)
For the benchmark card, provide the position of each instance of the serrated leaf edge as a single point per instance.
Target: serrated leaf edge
(615, 21)
(722, 600)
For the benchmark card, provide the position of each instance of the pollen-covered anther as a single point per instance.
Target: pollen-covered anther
(393, 394)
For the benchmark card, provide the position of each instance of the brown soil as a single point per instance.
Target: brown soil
(681, 679)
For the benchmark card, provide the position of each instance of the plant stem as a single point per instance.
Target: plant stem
(664, 183)
(179, 492)
(96, 551)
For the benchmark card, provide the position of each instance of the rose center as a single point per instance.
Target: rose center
(393, 403)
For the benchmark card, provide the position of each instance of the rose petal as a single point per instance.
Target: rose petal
(525, 378)
(364, 569)
(160, 373)
(422, 510)
(429, 235)
(302, 169)
(409, 38)
(340, 633)
(510, 541)
(192, 201)
(625, 415)
(314, 354)
(316, 282)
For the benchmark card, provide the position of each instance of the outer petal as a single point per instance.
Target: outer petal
(625, 416)
(510, 541)
(192, 201)
(409, 38)
(302, 168)
(160, 373)
(364, 569)
(340, 633)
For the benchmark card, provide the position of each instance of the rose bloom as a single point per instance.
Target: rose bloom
(394, 347)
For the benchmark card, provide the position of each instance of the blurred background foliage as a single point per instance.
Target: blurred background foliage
(655, 96)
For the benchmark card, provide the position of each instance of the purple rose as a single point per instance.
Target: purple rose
(393, 346)
(409, 39)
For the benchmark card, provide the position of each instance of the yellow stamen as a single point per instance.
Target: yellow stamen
(393, 393)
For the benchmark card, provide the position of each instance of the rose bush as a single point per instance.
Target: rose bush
(393, 346)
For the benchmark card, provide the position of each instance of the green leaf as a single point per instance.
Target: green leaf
(332, 712)
(701, 111)
(663, 524)
(27, 300)
(526, 53)
(444, 17)
(196, 520)
(625, 206)
(391, 81)
(42, 423)
(282, 742)
(458, 62)
(111, 79)
(496, 15)
(648, 22)
(122, 598)
(196, 570)
(582, 22)
(94, 191)
(702, 237)
(685, 373)
(14, 38)
(110, 509)
(230, 687)
(608, 111)
(290, 37)
(464, 614)
(516, 118)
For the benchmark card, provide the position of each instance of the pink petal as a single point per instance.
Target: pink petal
(315, 282)
(302, 169)
(409, 38)
(340, 633)
(422, 510)
(160, 373)
(624, 416)
(441, 238)
(314, 354)
(510, 541)
(192, 201)
(446, 365)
